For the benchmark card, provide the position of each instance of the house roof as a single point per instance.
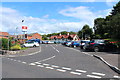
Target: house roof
(4, 33)
(63, 36)
(32, 34)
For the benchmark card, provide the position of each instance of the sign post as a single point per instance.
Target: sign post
(24, 30)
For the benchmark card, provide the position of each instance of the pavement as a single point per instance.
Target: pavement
(29, 51)
(57, 61)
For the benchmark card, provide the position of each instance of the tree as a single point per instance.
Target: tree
(86, 32)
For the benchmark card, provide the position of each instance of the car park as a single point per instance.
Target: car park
(31, 44)
(100, 45)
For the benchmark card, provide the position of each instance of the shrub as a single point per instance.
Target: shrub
(16, 47)
(5, 44)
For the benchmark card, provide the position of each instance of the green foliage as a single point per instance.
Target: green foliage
(109, 27)
(44, 37)
(24, 48)
(6, 43)
(16, 47)
(85, 32)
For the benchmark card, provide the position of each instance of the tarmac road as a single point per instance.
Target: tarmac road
(55, 61)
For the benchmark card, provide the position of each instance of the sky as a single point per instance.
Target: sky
(51, 17)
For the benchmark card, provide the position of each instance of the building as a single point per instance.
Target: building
(4, 35)
(34, 36)
(23, 37)
(73, 37)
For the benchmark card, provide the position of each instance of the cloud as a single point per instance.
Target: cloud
(46, 16)
(84, 14)
(12, 18)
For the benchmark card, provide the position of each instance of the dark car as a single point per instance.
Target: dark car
(100, 45)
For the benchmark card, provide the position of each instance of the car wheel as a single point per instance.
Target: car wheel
(81, 47)
(96, 49)
(34, 46)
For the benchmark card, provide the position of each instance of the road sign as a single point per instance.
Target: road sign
(24, 28)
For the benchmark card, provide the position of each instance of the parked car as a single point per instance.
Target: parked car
(31, 44)
(58, 41)
(34, 40)
(68, 43)
(75, 44)
(83, 42)
(64, 42)
(44, 42)
(100, 45)
(50, 42)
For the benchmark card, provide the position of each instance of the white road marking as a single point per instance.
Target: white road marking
(24, 62)
(75, 73)
(46, 64)
(49, 67)
(53, 47)
(55, 66)
(57, 50)
(47, 59)
(14, 60)
(32, 64)
(116, 76)
(92, 76)
(40, 65)
(61, 70)
(81, 71)
(11, 59)
(87, 53)
(37, 63)
(101, 74)
(19, 61)
(66, 68)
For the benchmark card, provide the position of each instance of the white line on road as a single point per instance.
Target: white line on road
(46, 64)
(75, 73)
(14, 60)
(57, 50)
(66, 68)
(55, 66)
(81, 71)
(11, 59)
(19, 61)
(47, 59)
(40, 65)
(53, 47)
(32, 64)
(24, 62)
(49, 67)
(87, 53)
(92, 76)
(101, 74)
(61, 70)
(116, 76)
(37, 63)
